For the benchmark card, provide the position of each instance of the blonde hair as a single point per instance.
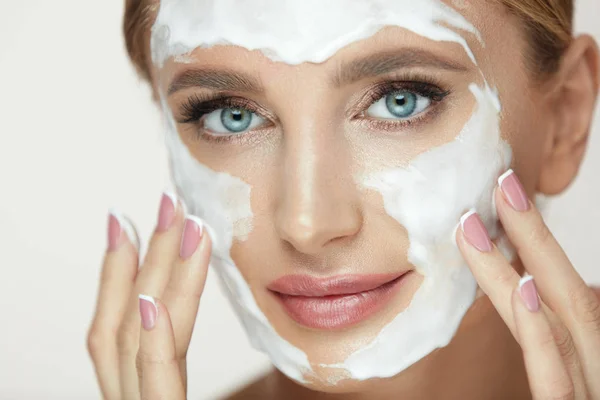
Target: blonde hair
(547, 26)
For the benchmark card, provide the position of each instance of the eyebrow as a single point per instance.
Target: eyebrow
(367, 67)
(386, 62)
(215, 80)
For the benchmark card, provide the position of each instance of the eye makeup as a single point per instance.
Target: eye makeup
(196, 107)
(427, 198)
(429, 91)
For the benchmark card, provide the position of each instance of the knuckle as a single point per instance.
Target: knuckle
(96, 342)
(540, 233)
(585, 306)
(547, 342)
(182, 291)
(127, 340)
(564, 342)
(503, 277)
(144, 358)
(561, 390)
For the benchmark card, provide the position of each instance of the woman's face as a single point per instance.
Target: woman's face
(299, 135)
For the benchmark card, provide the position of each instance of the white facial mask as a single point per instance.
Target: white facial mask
(294, 31)
(427, 197)
(223, 201)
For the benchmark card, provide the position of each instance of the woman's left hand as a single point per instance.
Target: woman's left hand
(559, 331)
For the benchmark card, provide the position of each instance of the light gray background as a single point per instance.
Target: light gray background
(79, 134)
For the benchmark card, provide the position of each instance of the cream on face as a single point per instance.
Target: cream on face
(427, 197)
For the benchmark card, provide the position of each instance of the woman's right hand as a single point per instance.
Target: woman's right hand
(145, 357)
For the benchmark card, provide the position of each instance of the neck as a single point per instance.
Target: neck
(482, 361)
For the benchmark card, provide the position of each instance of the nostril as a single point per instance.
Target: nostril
(310, 235)
(303, 235)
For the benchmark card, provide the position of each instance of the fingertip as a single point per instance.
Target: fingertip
(127, 226)
(132, 234)
(505, 175)
(207, 240)
(172, 197)
(526, 278)
(148, 311)
(181, 209)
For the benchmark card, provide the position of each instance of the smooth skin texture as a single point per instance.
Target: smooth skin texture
(565, 364)
(311, 216)
(560, 342)
(116, 332)
(547, 125)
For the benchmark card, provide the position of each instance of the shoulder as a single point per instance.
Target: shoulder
(597, 291)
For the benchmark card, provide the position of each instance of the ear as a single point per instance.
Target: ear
(571, 107)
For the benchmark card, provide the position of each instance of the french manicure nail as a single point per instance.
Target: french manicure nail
(192, 233)
(117, 223)
(166, 213)
(148, 311)
(513, 190)
(529, 293)
(475, 231)
(114, 232)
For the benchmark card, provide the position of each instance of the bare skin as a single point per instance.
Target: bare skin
(495, 353)
(562, 339)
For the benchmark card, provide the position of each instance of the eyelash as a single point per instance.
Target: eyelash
(197, 106)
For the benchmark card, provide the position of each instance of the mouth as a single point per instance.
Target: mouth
(336, 302)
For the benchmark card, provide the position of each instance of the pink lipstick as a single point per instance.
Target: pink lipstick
(335, 302)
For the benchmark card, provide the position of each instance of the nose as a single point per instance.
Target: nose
(319, 203)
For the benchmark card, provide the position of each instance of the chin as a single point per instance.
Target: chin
(330, 328)
(330, 381)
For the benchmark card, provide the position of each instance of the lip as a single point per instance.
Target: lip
(335, 302)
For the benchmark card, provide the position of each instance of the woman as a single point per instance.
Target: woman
(343, 166)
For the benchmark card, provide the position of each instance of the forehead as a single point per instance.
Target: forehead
(313, 31)
(300, 31)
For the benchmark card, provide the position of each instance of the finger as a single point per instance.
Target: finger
(152, 279)
(498, 279)
(547, 374)
(182, 295)
(560, 286)
(159, 376)
(116, 281)
(567, 350)
(493, 273)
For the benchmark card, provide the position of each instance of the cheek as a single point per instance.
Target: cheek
(525, 128)
(376, 150)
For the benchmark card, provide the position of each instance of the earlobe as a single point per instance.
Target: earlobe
(572, 104)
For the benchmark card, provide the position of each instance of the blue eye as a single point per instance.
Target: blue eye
(400, 104)
(231, 120)
(236, 119)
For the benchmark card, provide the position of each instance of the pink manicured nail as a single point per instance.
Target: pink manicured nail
(192, 233)
(117, 224)
(114, 232)
(513, 191)
(529, 293)
(148, 311)
(166, 214)
(475, 231)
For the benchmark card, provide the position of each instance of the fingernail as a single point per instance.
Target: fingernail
(529, 293)
(148, 311)
(475, 231)
(192, 232)
(166, 213)
(116, 224)
(513, 190)
(114, 232)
